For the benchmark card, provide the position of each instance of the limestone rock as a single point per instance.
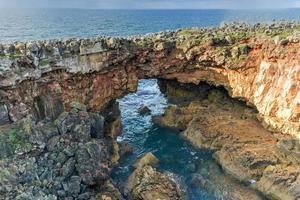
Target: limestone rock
(243, 147)
(280, 182)
(109, 192)
(148, 184)
(211, 178)
(146, 159)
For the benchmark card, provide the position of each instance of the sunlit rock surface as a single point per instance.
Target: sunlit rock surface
(242, 146)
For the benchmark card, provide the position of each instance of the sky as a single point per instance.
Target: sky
(151, 4)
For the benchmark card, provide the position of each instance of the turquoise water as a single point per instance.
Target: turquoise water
(56, 23)
(175, 154)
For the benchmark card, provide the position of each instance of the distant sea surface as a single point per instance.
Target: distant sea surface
(33, 24)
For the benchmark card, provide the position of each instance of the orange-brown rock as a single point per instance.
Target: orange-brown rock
(243, 147)
(251, 62)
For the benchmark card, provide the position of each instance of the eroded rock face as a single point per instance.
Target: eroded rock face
(258, 64)
(212, 178)
(40, 81)
(245, 150)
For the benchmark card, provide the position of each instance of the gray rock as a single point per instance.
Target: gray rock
(76, 124)
(61, 158)
(52, 143)
(68, 168)
(93, 162)
(61, 193)
(4, 117)
(5, 149)
(84, 196)
(97, 126)
(74, 186)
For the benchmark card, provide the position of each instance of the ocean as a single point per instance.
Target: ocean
(37, 24)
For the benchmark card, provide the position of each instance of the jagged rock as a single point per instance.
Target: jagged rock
(72, 188)
(97, 126)
(108, 192)
(77, 124)
(4, 118)
(43, 78)
(212, 179)
(290, 148)
(68, 168)
(65, 168)
(144, 110)
(96, 154)
(125, 149)
(146, 159)
(280, 182)
(147, 184)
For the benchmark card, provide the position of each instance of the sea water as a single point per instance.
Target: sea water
(36, 24)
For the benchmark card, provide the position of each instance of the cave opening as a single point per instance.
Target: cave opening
(193, 168)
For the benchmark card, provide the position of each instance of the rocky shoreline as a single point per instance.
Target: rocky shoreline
(241, 145)
(59, 120)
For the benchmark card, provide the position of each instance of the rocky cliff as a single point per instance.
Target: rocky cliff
(57, 111)
(258, 64)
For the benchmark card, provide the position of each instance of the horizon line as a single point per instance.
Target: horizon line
(140, 9)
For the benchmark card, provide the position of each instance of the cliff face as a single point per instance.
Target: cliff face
(258, 64)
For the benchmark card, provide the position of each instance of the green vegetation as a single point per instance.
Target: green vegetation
(143, 43)
(44, 62)
(281, 33)
(11, 56)
(16, 141)
(243, 57)
(13, 138)
(186, 32)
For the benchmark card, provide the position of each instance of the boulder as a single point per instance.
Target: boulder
(108, 192)
(148, 184)
(146, 159)
(93, 162)
(76, 124)
(72, 187)
(144, 110)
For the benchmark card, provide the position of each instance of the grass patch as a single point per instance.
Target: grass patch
(11, 56)
(16, 141)
(44, 62)
(186, 32)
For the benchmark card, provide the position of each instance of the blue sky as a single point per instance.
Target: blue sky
(150, 4)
